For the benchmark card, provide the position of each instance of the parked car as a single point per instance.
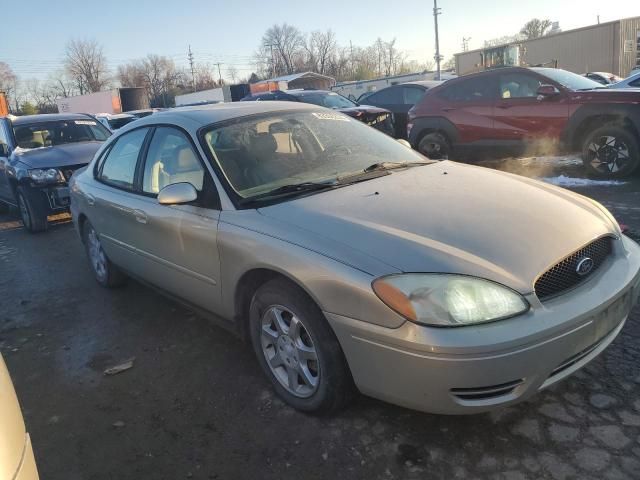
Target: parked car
(349, 259)
(38, 155)
(517, 110)
(399, 99)
(603, 78)
(114, 121)
(375, 117)
(632, 81)
(16, 455)
(144, 112)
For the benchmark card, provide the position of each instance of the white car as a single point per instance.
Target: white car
(114, 121)
(632, 81)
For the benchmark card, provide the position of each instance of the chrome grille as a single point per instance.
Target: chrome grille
(563, 275)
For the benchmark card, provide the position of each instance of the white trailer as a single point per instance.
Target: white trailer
(203, 97)
(118, 100)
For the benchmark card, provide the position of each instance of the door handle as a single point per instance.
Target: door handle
(91, 200)
(141, 217)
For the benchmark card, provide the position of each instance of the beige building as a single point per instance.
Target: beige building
(606, 47)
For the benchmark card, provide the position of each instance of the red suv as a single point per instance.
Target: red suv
(530, 110)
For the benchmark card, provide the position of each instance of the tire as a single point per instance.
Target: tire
(105, 272)
(610, 152)
(311, 352)
(434, 146)
(33, 209)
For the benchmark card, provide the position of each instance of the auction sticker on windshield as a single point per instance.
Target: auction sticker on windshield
(84, 122)
(331, 116)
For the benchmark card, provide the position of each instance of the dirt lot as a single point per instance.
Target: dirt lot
(195, 404)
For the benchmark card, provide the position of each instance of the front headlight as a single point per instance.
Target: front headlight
(50, 175)
(446, 300)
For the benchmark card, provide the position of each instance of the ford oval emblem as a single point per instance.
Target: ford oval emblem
(584, 266)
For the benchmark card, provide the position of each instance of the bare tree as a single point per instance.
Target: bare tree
(60, 85)
(321, 47)
(535, 28)
(86, 64)
(9, 83)
(232, 73)
(287, 43)
(156, 73)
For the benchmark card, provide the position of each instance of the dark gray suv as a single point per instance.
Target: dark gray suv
(38, 155)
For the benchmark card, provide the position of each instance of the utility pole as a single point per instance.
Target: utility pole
(351, 58)
(465, 43)
(438, 58)
(598, 19)
(273, 63)
(219, 74)
(193, 75)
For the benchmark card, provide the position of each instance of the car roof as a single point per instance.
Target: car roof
(303, 91)
(114, 116)
(200, 115)
(603, 74)
(47, 117)
(424, 83)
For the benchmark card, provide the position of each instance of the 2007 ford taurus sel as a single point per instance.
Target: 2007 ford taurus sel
(351, 261)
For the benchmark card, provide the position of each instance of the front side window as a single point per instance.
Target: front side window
(259, 154)
(171, 159)
(119, 167)
(49, 134)
(518, 85)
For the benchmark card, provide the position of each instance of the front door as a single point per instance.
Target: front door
(178, 242)
(524, 120)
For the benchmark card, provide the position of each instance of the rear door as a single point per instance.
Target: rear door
(177, 243)
(112, 199)
(523, 119)
(411, 94)
(468, 104)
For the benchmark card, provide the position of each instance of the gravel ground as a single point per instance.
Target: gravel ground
(195, 404)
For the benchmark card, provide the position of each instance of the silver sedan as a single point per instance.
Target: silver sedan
(350, 262)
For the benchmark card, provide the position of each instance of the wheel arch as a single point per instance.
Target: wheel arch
(424, 126)
(248, 285)
(587, 119)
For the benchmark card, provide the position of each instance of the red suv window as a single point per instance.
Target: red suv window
(474, 89)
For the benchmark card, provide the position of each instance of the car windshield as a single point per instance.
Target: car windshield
(569, 80)
(47, 134)
(328, 99)
(261, 153)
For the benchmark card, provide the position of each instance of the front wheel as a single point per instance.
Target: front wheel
(106, 273)
(297, 349)
(33, 209)
(610, 152)
(434, 146)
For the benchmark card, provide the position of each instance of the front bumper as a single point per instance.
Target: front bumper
(27, 469)
(478, 368)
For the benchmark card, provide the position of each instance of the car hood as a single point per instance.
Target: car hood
(12, 430)
(363, 110)
(447, 217)
(610, 94)
(58, 156)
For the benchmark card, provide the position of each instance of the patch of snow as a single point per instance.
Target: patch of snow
(564, 181)
(552, 159)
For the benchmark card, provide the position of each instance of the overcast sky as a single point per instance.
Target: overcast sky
(34, 33)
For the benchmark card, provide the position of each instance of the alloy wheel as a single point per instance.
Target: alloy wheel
(608, 154)
(96, 255)
(289, 351)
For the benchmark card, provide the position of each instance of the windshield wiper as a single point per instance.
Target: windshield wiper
(391, 165)
(291, 189)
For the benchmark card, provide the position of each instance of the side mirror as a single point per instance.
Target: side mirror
(177, 194)
(404, 143)
(546, 91)
(4, 150)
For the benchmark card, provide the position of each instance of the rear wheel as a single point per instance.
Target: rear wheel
(106, 273)
(33, 209)
(610, 152)
(434, 146)
(297, 349)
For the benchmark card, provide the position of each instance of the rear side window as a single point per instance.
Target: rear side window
(119, 167)
(413, 95)
(474, 89)
(171, 159)
(387, 96)
(635, 83)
